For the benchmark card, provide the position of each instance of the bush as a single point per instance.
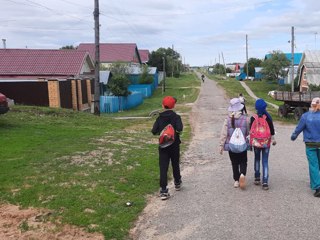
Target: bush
(176, 74)
(118, 85)
(145, 77)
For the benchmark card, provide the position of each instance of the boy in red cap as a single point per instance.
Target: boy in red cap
(171, 152)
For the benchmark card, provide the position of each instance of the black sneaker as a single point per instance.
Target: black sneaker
(164, 195)
(265, 186)
(257, 181)
(317, 193)
(178, 185)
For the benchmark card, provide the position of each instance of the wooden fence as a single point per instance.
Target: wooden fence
(59, 93)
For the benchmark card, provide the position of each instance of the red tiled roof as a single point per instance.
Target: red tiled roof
(41, 62)
(144, 55)
(113, 52)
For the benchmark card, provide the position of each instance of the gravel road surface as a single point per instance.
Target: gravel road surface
(208, 207)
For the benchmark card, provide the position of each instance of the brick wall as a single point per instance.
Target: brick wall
(54, 93)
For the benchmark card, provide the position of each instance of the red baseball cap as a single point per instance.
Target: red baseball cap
(169, 102)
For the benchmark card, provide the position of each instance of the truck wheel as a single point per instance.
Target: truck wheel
(282, 111)
(298, 111)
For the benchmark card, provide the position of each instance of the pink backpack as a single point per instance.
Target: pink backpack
(260, 135)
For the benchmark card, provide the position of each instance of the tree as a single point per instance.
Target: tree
(172, 60)
(119, 82)
(68, 47)
(252, 63)
(219, 69)
(118, 85)
(145, 78)
(274, 67)
(228, 70)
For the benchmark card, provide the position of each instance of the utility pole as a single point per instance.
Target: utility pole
(292, 58)
(97, 59)
(247, 56)
(224, 64)
(164, 74)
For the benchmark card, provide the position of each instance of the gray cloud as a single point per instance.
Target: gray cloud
(200, 29)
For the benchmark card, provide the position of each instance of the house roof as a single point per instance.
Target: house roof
(296, 57)
(144, 55)
(104, 76)
(136, 70)
(311, 61)
(113, 52)
(41, 62)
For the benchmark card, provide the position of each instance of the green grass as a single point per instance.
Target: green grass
(71, 162)
(187, 85)
(260, 88)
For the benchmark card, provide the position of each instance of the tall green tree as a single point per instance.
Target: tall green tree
(274, 67)
(252, 63)
(166, 56)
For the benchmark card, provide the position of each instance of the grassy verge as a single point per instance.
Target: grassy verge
(83, 167)
(260, 89)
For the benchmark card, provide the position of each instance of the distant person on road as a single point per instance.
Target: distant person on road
(202, 77)
(243, 101)
(310, 125)
(238, 160)
(170, 152)
(261, 136)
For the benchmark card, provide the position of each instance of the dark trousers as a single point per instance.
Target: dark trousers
(244, 110)
(165, 155)
(239, 164)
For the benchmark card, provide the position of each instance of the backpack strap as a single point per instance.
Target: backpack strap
(241, 121)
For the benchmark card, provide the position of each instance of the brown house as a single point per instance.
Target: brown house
(55, 78)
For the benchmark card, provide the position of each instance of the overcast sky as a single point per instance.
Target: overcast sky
(202, 31)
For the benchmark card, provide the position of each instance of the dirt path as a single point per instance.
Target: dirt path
(208, 207)
(248, 90)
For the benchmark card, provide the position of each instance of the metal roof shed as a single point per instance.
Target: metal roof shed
(309, 70)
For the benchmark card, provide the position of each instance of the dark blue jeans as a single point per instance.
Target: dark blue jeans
(264, 153)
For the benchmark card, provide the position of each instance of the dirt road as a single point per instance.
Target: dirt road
(208, 207)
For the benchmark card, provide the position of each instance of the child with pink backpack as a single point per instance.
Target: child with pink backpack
(261, 136)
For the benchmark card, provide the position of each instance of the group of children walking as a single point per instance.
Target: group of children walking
(260, 123)
(239, 134)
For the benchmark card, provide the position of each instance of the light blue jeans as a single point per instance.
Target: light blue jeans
(313, 155)
(264, 152)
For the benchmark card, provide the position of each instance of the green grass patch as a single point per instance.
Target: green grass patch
(84, 167)
(260, 88)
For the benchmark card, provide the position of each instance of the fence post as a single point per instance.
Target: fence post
(88, 81)
(74, 94)
(54, 93)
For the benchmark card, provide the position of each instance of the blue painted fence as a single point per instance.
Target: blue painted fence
(145, 89)
(112, 104)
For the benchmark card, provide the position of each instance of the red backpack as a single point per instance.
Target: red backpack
(166, 136)
(260, 135)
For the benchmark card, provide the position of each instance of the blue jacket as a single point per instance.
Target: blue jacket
(310, 125)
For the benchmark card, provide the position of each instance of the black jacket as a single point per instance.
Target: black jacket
(164, 119)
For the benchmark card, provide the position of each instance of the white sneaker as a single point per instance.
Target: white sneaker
(236, 184)
(242, 181)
